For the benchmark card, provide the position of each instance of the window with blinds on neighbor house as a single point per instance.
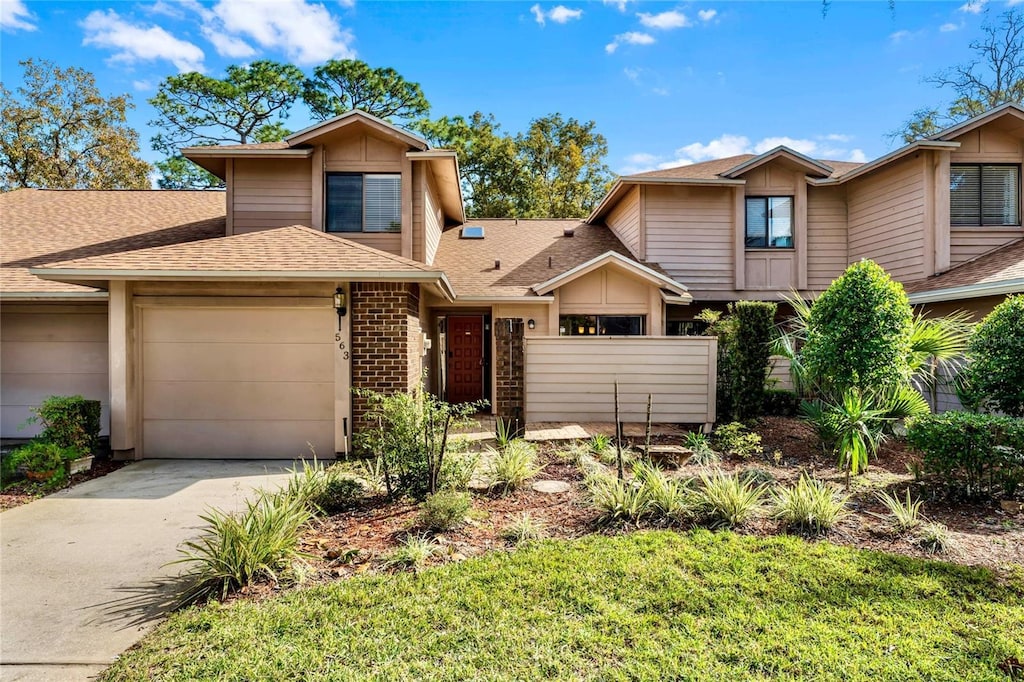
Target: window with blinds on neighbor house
(984, 194)
(364, 202)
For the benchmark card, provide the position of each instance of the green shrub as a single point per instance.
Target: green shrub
(780, 402)
(859, 332)
(667, 499)
(40, 457)
(240, 549)
(70, 422)
(996, 370)
(617, 500)
(409, 433)
(736, 439)
(445, 510)
(935, 537)
(906, 515)
(968, 450)
(513, 465)
(413, 553)
(750, 356)
(600, 444)
(757, 476)
(725, 500)
(810, 505)
(524, 528)
(342, 491)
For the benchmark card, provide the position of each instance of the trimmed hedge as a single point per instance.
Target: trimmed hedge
(781, 402)
(979, 453)
(996, 372)
(750, 356)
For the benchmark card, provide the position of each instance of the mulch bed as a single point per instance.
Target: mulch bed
(983, 534)
(26, 491)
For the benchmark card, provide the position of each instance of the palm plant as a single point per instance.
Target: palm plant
(937, 349)
(858, 427)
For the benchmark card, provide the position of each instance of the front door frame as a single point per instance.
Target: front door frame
(485, 389)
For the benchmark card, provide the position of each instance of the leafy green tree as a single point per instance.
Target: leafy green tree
(494, 182)
(59, 131)
(341, 85)
(996, 370)
(248, 105)
(564, 161)
(995, 76)
(859, 332)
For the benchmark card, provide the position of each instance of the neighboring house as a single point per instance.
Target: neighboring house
(236, 323)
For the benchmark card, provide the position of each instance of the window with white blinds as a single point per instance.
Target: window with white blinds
(769, 222)
(981, 194)
(370, 202)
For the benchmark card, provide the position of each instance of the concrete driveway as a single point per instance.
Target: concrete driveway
(82, 572)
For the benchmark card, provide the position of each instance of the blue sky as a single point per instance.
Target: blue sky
(667, 83)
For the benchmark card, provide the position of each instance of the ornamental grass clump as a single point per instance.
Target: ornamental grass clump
(904, 515)
(524, 528)
(810, 505)
(617, 500)
(668, 500)
(511, 466)
(414, 552)
(444, 511)
(728, 501)
(239, 549)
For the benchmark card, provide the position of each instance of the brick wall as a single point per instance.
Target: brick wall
(386, 342)
(510, 371)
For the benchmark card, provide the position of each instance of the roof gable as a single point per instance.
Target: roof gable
(791, 156)
(357, 117)
(612, 259)
(1009, 109)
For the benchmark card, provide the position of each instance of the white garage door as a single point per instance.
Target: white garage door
(247, 383)
(50, 350)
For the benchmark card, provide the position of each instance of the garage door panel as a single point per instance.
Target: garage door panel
(46, 326)
(226, 439)
(251, 400)
(48, 357)
(239, 325)
(193, 361)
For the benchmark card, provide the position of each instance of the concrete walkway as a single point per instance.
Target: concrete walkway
(82, 572)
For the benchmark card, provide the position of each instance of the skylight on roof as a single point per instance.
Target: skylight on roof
(472, 232)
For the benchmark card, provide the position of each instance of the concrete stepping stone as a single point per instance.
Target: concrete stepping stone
(551, 487)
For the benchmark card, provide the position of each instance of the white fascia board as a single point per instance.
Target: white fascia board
(1010, 286)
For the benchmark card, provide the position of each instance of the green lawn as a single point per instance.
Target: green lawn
(646, 606)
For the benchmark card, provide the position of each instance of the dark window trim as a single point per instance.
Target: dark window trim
(768, 231)
(981, 193)
(597, 324)
(362, 200)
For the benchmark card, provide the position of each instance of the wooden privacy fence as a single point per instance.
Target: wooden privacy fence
(572, 379)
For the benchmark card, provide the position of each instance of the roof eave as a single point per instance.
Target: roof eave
(625, 181)
(885, 160)
(54, 296)
(453, 202)
(76, 275)
(1008, 286)
(342, 120)
(772, 154)
(980, 119)
(656, 278)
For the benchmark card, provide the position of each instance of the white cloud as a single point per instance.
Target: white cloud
(227, 45)
(664, 20)
(707, 14)
(166, 9)
(559, 14)
(143, 86)
(347, 4)
(632, 74)
(733, 145)
(135, 42)
(629, 38)
(306, 33)
(621, 4)
(1011, 3)
(14, 16)
(899, 36)
(661, 92)
(946, 28)
(973, 6)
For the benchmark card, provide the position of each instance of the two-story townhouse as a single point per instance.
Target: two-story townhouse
(237, 323)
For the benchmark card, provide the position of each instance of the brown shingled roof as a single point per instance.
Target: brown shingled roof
(1001, 265)
(43, 226)
(524, 250)
(293, 249)
(710, 170)
(248, 145)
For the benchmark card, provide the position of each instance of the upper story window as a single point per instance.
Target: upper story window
(364, 202)
(984, 194)
(769, 222)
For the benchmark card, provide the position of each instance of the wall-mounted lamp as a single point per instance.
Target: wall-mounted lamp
(532, 324)
(339, 305)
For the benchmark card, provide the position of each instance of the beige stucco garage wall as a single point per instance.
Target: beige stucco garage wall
(50, 349)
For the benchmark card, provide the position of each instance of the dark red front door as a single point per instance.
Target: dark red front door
(465, 359)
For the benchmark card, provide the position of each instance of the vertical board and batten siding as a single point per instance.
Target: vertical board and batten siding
(624, 221)
(48, 350)
(270, 193)
(690, 234)
(572, 379)
(826, 236)
(886, 214)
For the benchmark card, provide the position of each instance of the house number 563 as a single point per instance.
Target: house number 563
(341, 346)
